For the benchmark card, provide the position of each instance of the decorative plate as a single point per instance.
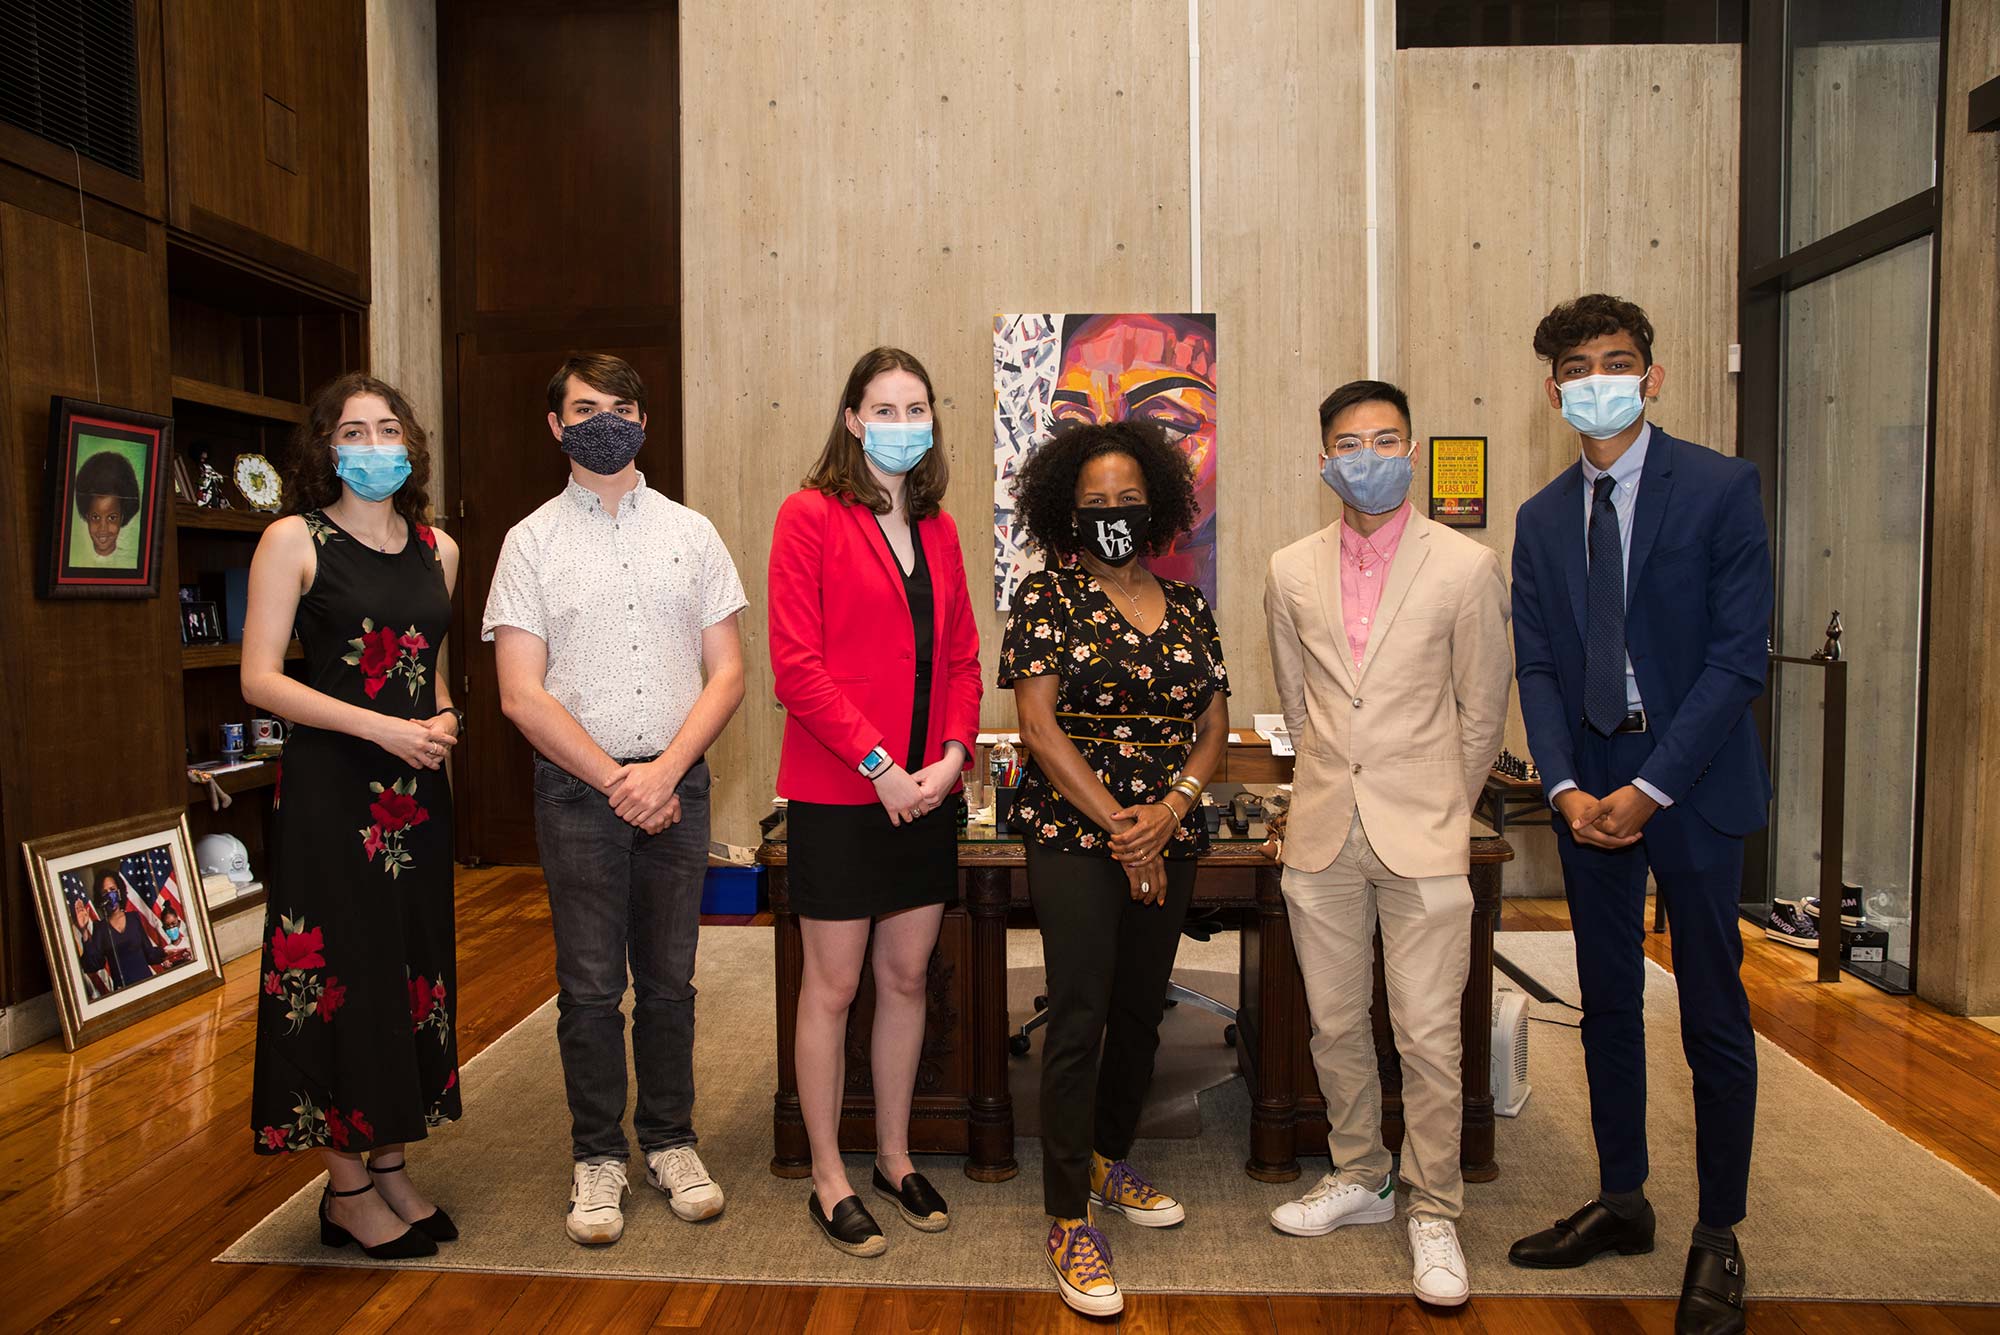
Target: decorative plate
(258, 481)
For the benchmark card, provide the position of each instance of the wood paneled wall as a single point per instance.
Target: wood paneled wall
(92, 688)
(267, 127)
(1958, 965)
(850, 181)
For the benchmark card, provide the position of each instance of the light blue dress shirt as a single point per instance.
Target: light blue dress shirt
(1625, 473)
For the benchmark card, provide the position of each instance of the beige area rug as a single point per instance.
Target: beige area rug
(1990, 1021)
(503, 1171)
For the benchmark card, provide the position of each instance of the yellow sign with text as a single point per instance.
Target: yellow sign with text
(1458, 481)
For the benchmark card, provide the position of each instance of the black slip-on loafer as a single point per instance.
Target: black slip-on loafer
(918, 1201)
(852, 1229)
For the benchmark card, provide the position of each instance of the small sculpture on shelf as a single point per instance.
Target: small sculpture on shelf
(211, 492)
(1831, 652)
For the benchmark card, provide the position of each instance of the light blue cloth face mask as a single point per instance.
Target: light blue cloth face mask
(1367, 481)
(896, 447)
(1600, 406)
(372, 472)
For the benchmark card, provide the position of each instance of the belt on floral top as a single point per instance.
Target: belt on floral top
(1110, 723)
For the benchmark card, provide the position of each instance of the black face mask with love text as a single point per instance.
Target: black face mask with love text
(1115, 534)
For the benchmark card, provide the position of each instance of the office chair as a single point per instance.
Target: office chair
(1197, 929)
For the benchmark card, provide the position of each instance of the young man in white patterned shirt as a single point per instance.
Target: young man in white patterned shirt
(609, 607)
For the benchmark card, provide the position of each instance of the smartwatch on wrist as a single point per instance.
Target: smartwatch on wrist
(874, 764)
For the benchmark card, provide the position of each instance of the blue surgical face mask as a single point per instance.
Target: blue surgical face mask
(1367, 481)
(372, 472)
(896, 447)
(1601, 406)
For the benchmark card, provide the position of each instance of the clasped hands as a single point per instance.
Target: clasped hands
(646, 795)
(417, 742)
(1612, 822)
(1139, 844)
(906, 796)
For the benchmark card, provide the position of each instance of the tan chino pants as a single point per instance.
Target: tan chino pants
(1426, 939)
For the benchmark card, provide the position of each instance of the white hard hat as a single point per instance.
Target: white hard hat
(224, 855)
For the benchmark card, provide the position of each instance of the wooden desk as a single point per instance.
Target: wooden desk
(961, 1104)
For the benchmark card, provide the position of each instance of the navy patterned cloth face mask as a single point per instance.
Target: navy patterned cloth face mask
(603, 442)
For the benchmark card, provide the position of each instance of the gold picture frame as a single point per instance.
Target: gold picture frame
(124, 922)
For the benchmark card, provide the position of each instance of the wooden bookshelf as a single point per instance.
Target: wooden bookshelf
(195, 656)
(189, 390)
(191, 516)
(240, 781)
(241, 904)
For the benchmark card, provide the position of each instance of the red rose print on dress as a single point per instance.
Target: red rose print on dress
(392, 815)
(427, 1009)
(296, 948)
(273, 1138)
(292, 979)
(384, 652)
(427, 537)
(331, 998)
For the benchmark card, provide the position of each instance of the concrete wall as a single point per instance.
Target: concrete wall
(849, 181)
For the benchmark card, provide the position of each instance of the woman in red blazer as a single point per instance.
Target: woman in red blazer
(876, 660)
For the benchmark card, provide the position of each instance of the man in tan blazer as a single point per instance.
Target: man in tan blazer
(1389, 643)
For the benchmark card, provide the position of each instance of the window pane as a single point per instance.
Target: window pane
(1851, 513)
(1863, 109)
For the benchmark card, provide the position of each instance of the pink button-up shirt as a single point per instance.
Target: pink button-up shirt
(1364, 568)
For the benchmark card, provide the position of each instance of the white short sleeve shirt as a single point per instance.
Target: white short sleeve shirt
(621, 601)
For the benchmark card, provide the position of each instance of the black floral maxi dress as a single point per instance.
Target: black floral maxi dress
(356, 1045)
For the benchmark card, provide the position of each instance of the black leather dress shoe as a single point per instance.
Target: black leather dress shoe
(852, 1228)
(918, 1200)
(1585, 1235)
(1711, 1293)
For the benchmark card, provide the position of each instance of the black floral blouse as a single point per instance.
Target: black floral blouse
(1128, 701)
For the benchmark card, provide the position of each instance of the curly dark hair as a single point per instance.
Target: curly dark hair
(310, 482)
(1045, 490)
(1575, 323)
(108, 473)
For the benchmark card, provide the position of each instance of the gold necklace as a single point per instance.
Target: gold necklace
(1130, 597)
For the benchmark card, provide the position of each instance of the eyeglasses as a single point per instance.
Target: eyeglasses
(1388, 444)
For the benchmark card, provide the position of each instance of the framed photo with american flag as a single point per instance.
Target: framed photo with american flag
(123, 920)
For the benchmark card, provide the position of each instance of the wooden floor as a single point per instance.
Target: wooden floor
(125, 1167)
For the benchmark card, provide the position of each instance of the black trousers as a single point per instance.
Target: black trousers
(1108, 958)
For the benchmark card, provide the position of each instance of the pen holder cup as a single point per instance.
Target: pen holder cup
(1003, 808)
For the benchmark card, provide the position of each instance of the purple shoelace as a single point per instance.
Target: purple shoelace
(1120, 1177)
(1086, 1268)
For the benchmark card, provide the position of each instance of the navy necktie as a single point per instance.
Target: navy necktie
(1604, 624)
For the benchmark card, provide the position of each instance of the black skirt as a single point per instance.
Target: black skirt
(849, 862)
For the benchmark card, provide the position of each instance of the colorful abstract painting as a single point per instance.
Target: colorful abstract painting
(1051, 368)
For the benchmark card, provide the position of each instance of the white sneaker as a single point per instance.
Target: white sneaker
(1333, 1203)
(690, 1190)
(596, 1191)
(1439, 1277)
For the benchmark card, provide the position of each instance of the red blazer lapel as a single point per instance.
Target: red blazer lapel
(871, 535)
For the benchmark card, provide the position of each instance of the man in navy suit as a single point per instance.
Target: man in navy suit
(1642, 609)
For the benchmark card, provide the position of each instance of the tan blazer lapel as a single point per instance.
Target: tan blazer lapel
(1326, 575)
(1410, 555)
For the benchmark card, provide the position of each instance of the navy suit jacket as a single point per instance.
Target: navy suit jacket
(1698, 593)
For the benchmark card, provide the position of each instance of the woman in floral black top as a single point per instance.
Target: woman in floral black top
(1122, 693)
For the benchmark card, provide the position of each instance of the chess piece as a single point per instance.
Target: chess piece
(1831, 652)
(209, 491)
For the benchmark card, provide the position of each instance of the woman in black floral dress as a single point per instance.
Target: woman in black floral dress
(356, 1051)
(1120, 684)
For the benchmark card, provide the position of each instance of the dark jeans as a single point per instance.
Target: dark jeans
(1108, 959)
(617, 893)
(1699, 871)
